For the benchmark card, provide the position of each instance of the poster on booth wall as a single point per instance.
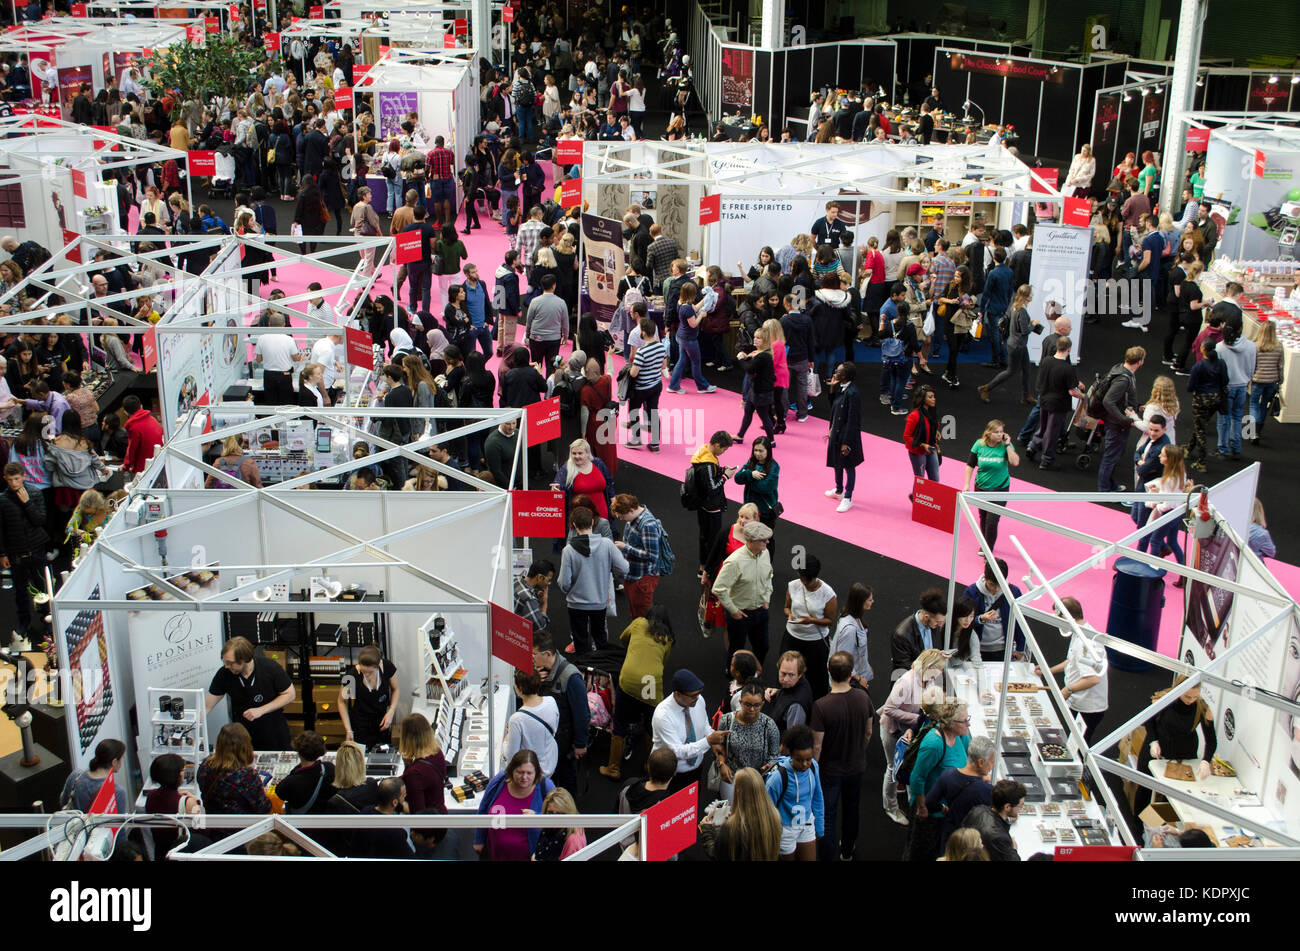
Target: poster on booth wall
(1268, 96)
(70, 80)
(1245, 726)
(175, 650)
(1253, 212)
(738, 81)
(1281, 791)
(1105, 120)
(393, 110)
(43, 75)
(1058, 273)
(1152, 127)
(86, 644)
(602, 242)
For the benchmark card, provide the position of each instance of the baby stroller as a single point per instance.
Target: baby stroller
(223, 182)
(1092, 432)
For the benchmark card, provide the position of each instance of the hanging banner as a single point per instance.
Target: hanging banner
(602, 243)
(543, 421)
(202, 163)
(360, 348)
(537, 513)
(212, 24)
(1058, 272)
(359, 71)
(78, 10)
(90, 684)
(738, 80)
(194, 33)
(150, 348)
(508, 14)
(73, 254)
(1198, 140)
(70, 80)
(271, 42)
(571, 193)
(710, 209)
(512, 638)
(671, 825)
(1010, 68)
(1153, 121)
(343, 97)
(1077, 212)
(1261, 163)
(448, 41)
(79, 183)
(462, 26)
(408, 247)
(1104, 122)
(316, 12)
(568, 151)
(1051, 176)
(934, 504)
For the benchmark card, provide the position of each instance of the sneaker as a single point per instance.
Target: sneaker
(1167, 363)
(834, 494)
(898, 412)
(884, 401)
(897, 815)
(633, 444)
(671, 390)
(844, 506)
(1134, 325)
(1049, 467)
(801, 419)
(711, 389)
(1182, 373)
(654, 448)
(951, 381)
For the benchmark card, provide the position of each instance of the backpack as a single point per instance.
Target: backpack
(891, 347)
(551, 211)
(667, 560)
(690, 493)
(1096, 395)
(903, 771)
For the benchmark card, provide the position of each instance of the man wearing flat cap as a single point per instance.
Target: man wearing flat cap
(681, 724)
(744, 589)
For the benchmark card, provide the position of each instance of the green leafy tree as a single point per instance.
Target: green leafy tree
(219, 68)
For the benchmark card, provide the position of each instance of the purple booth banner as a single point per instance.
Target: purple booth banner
(393, 110)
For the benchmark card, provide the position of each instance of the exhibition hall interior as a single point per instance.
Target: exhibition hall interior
(788, 432)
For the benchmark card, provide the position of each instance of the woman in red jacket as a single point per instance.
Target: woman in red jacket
(921, 434)
(874, 285)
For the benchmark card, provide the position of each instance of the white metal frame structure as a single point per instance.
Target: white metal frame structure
(98, 33)
(1022, 611)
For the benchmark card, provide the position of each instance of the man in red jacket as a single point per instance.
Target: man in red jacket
(144, 434)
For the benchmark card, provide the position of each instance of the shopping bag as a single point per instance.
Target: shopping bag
(927, 327)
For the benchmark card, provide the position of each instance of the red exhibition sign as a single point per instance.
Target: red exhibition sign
(512, 638)
(448, 41)
(934, 504)
(1094, 853)
(1198, 140)
(202, 163)
(1049, 175)
(710, 209)
(543, 421)
(194, 33)
(78, 10)
(212, 24)
(508, 14)
(316, 12)
(1078, 212)
(359, 71)
(408, 247)
(462, 26)
(343, 97)
(537, 513)
(568, 151)
(79, 183)
(233, 10)
(271, 42)
(150, 355)
(670, 826)
(1260, 162)
(571, 193)
(74, 253)
(359, 348)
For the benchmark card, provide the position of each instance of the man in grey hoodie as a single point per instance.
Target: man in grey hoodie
(587, 568)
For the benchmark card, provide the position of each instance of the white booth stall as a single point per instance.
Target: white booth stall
(53, 177)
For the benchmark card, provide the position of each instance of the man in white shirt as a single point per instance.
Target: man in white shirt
(316, 306)
(277, 353)
(131, 85)
(325, 351)
(1086, 688)
(274, 84)
(681, 724)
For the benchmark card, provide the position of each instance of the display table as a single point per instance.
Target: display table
(738, 127)
(1225, 792)
(475, 705)
(1056, 805)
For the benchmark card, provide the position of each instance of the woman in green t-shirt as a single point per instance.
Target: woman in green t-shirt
(990, 461)
(452, 251)
(1197, 181)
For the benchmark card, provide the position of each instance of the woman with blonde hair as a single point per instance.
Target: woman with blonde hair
(583, 474)
(1173, 479)
(311, 386)
(233, 462)
(556, 845)
(965, 845)
(1268, 376)
(901, 714)
(752, 831)
(425, 479)
(775, 335)
(1083, 169)
(676, 131)
(356, 790)
(1163, 401)
(991, 458)
(1261, 542)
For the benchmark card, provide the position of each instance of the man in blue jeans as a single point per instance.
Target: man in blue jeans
(420, 272)
(1239, 358)
(841, 724)
(478, 304)
(1119, 409)
(688, 342)
(994, 302)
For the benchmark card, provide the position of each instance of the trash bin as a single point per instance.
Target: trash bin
(1137, 600)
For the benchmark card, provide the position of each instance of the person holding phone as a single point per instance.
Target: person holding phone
(990, 460)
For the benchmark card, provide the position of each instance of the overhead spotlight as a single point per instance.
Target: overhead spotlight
(1146, 91)
(1295, 79)
(1273, 78)
(1128, 97)
(1200, 80)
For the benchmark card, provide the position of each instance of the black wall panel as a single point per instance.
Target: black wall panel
(825, 66)
(850, 67)
(1058, 135)
(763, 83)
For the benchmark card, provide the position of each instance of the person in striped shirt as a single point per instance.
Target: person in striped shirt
(645, 369)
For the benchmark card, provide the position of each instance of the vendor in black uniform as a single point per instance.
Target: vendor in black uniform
(829, 230)
(368, 698)
(1182, 731)
(259, 689)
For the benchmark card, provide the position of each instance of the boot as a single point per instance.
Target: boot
(614, 770)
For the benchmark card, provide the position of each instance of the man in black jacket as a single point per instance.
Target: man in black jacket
(994, 822)
(917, 631)
(22, 539)
(1119, 410)
(316, 146)
(83, 110)
(800, 343)
(396, 429)
(389, 842)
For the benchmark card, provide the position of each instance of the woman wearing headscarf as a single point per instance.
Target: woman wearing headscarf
(438, 344)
